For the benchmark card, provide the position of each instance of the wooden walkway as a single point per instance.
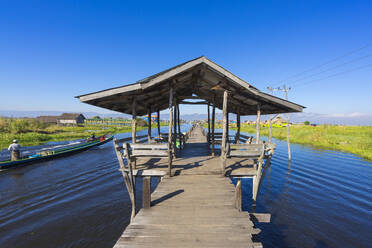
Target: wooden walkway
(194, 208)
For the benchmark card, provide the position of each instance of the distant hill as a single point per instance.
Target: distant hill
(341, 119)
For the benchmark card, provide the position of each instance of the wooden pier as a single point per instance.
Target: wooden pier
(197, 207)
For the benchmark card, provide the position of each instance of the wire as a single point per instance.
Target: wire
(327, 62)
(335, 75)
(332, 68)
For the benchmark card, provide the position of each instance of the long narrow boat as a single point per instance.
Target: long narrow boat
(54, 154)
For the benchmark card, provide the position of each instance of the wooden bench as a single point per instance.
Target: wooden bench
(127, 154)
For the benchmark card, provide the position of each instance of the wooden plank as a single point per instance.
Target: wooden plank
(146, 192)
(260, 217)
(150, 153)
(238, 195)
(149, 172)
(149, 146)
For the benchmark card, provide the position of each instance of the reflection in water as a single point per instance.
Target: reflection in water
(320, 199)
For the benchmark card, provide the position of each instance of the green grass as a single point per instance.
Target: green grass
(58, 133)
(353, 139)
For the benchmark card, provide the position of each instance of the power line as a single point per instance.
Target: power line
(332, 68)
(335, 75)
(327, 62)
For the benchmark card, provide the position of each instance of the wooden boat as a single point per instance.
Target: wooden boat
(47, 155)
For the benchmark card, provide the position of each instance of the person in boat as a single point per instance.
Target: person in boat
(91, 138)
(14, 148)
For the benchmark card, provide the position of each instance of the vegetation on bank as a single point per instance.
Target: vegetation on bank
(31, 132)
(353, 139)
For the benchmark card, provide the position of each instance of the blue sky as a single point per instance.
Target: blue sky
(51, 51)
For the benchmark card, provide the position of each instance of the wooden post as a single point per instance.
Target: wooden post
(179, 125)
(258, 120)
(149, 126)
(238, 127)
(209, 127)
(213, 123)
(170, 138)
(134, 121)
(146, 192)
(224, 132)
(134, 127)
(289, 146)
(175, 128)
(130, 181)
(227, 128)
(271, 93)
(158, 120)
(238, 194)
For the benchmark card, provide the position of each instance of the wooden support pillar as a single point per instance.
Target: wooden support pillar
(256, 182)
(238, 194)
(227, 128)
(213, 123)
(170, 138)
(158, 120)
(134, 121)
(179, 125)
(146, 192)
(149, 126)
(258, 120)
(130, 181)
(175, 129)
(238, 127)
(134, 127)
(224, 132)
(209, 127)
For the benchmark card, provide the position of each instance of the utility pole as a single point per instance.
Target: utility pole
(271, 93)
(285, 90)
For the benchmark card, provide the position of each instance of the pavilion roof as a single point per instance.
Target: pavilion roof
(198, 78)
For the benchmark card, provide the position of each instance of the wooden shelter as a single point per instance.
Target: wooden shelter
(215, 87)
(199, 78)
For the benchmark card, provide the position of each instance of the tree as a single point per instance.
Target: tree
(307, 122)
(96, 117)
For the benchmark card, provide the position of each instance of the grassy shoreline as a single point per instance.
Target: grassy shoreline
(58, 133)
(352, 139)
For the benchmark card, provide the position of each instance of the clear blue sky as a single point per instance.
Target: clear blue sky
(51, 51)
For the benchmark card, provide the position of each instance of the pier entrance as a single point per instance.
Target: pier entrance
(196, 207)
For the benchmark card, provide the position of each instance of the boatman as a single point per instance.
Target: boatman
(14, 148)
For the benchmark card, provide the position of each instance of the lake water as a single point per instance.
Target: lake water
(321, 199)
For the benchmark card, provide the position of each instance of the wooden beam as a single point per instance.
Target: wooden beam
(209, 125)
(238, 194)
(175, 129)
(224, 132)
(194, 103)
(170, 138)
(158, 120)
(179, 124)
(134, 121)
(149, 126)
(238, 127)
(146, 192)
(213, 124)
(258, 120)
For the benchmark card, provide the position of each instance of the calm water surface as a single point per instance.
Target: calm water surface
(321, 199)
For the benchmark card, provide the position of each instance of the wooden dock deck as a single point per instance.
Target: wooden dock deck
(194, 208)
